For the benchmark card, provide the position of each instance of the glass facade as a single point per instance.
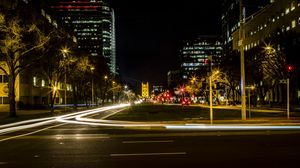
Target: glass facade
(92, 22)
(195, 54)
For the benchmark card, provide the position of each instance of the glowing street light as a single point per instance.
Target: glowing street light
(193, 79)
(54, 88)
(249, 100)
(113, 92)
(210, 96)
(92, 69)
(65, 51)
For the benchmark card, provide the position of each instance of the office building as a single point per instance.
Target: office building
(280, 17)
(230, 18)
(93, 25)
(277, 26)
(195, 56)
(31, 85)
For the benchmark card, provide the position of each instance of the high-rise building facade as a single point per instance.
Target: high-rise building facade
(92, 22)
(278, 18)
(274, 30)
(195, 54)
(231, 17)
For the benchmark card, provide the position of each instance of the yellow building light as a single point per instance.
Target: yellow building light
(145, 90)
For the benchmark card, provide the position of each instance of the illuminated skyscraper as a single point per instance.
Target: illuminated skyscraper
(195, 54)
(92, 22)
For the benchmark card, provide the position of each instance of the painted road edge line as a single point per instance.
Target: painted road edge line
(148, 154)
(162, 141)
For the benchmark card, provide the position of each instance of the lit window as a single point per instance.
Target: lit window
(293, 6)
(43, 83)
(287, 10)
(288, 28)
(293, 23)
(34, 81)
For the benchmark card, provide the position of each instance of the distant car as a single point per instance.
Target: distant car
(185, 102)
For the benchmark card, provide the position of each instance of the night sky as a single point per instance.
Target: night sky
(150, 34)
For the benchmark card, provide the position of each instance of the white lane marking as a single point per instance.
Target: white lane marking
(148, 154)
(30, 133)
(162, 141)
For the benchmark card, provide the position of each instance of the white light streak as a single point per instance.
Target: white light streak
(230, 127)
(82, 118)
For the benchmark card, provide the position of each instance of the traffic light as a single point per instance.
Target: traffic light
(290, 68)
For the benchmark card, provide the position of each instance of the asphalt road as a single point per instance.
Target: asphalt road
(82, 146)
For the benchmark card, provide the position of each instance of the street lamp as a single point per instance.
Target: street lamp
(193, 79)
(270, 50)
(92, 69)
(249, 100)
(65, 51)
(113, 92)
(210, 96)
(242, 58)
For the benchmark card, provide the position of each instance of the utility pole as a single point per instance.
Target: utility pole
(242, 57)
(288, 97)
(210, 91)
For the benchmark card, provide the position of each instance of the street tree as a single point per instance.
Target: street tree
(18, 41)
(231, 78)
(268, 67)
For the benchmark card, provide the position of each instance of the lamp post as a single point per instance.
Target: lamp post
(210, 101)
(113, 92)
(249, 101)
(210, 97)
(64, 52)
(92, 69)
(242, 59)
(105, 90)
(288, 97)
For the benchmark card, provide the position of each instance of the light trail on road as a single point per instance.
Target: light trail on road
(84, 117)
(13, 127)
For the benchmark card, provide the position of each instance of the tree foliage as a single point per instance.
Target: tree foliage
(18, 42)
